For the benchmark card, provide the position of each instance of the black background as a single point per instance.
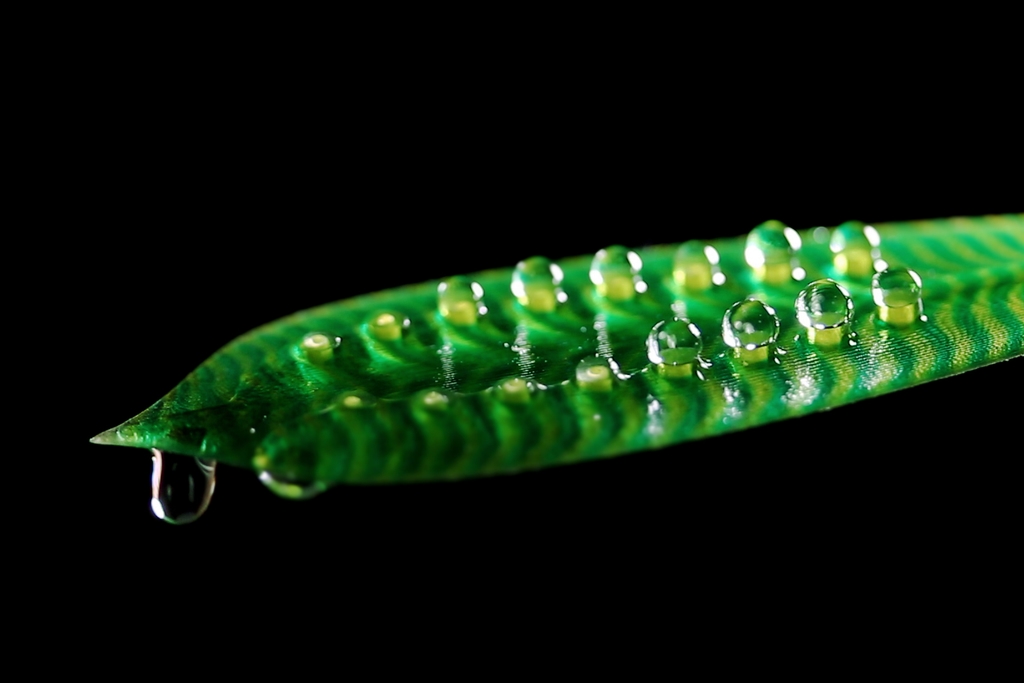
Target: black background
(199, 222)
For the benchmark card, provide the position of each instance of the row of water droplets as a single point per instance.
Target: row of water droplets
(824, 308)
(182, 485)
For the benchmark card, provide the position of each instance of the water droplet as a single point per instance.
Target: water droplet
(695, 266)
(319, 347)
(825, 309)
(751, 328)
(458, 300)
(674, 346)
(772, 250)
(291, 490)
(387, 326)
(182, 486)
(432, 400)
(356, 400)
(750, 324)
(536, 284)
(855, 248)
(515, 390)
(615, 272)
(897, 295)
(594, 374)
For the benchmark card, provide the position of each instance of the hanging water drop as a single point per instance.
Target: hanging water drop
(291, 490)
(674, 347)
(182, 486)
(824, 308)
(284, 485)
(751, 328)
(897, 296)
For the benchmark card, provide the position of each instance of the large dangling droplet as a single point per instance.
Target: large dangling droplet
(182, 486)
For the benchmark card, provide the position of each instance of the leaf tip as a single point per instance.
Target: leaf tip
(107, 438)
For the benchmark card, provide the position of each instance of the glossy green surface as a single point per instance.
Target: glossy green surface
(549, 363)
